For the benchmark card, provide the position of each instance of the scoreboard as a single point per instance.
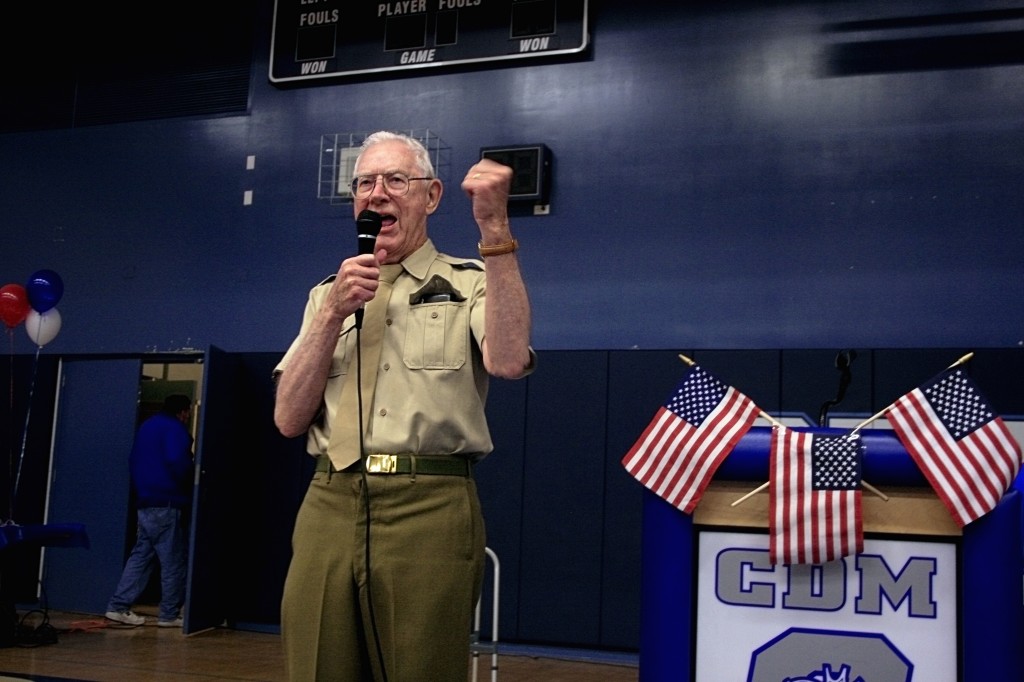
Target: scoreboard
(332, 38)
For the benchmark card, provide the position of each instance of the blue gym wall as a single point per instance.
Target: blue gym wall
(759, 178)
(727, 175)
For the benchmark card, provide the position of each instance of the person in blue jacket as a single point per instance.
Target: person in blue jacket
(161, 466)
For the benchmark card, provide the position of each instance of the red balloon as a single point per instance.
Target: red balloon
(14, 305)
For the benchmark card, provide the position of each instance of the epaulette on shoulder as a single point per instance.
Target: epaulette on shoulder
(461, 263)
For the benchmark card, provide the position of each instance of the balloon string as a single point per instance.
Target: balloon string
(10, 399)
(24, 437)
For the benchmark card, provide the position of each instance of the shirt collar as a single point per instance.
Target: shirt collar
(418, 262)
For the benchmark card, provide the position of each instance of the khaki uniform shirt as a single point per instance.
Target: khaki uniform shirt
(431, 382)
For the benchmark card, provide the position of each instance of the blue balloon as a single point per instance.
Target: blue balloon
(44, 289)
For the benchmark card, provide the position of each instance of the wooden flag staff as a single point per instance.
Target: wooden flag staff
(775, 422)
(761, 413)
(881, 413)
(867, 486)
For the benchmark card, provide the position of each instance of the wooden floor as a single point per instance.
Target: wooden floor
(91, 648)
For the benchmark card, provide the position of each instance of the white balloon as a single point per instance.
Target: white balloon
(42, 327)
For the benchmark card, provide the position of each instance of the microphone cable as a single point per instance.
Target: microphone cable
(368, 225)
(366, 501)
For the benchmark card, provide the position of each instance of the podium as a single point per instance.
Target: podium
(925, 600)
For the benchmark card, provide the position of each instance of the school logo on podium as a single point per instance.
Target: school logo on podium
(825, 675)
(888, 614)
(799, 655)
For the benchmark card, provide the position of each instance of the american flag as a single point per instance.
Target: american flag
(960, 444)
(689, 437)
(814, 497)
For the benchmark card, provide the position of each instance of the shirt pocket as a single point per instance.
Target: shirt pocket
(436, 335)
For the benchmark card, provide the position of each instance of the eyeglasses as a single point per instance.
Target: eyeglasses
(395, 184)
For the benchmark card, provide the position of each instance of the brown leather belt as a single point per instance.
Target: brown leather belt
(435, 465)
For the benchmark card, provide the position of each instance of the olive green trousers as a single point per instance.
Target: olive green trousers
(426, 547)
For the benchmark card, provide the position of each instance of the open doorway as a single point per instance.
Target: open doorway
(162, 379)
(157, 381)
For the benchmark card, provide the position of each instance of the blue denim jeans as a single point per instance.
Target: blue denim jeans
(161, 536)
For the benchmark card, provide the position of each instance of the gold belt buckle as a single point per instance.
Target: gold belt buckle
(381, 464)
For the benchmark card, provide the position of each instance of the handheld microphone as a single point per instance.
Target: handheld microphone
(367, 229)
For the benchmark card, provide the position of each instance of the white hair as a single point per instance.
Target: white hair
(422, 156)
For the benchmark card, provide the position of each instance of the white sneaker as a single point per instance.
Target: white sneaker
(126, 617)
(175, 623)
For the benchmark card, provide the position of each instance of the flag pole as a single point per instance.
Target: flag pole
(763, 486)
(775, 422)
(772, 420)
(872, 489)
(761, 413)
(962, 360)
(881, 413)
(867, 486)
(877, 415)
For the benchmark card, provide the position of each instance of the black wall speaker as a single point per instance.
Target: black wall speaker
(532, 165)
